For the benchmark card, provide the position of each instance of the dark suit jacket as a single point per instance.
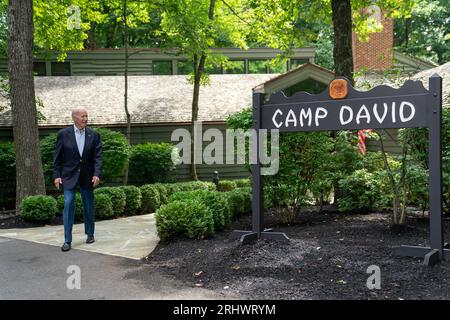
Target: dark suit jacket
(70, 166)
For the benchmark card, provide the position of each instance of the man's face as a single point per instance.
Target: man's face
(80, 119)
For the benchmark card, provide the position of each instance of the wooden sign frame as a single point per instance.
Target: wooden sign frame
(382, 107)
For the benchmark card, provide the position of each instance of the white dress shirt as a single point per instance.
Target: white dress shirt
(80, 138)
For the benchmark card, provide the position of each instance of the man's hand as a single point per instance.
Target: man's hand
(57, 182)
(95, 181)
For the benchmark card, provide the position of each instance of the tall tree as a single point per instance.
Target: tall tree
(196, 26)
(29, 173)
(426, 33)
(342, 51)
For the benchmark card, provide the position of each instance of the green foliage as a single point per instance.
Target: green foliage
(163, 193)
(415, 140)
(193, 185)
(115, 153)
(47, 146)
(133, 199)
(215, 201)
(426, 33)
(117, 196)
(152, 162)
(191, 218)
(227, 185)
(240, 120)
(304, 157)
(362, 190)
(7, 173)
(38, 208)
(171, 188)
(243, 183)
(103, 206)
(240, 201)
(324, 48)
(150, 198)
(417, 186)
(79, 215)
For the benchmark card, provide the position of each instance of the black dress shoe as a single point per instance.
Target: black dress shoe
(90, 239)
(66, 246)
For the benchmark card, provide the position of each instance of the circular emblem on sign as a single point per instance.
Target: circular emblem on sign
(338, 89)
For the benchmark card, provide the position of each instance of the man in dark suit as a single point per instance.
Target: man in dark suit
(78, 164)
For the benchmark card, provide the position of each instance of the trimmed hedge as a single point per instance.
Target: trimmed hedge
(116, 152)
(38, 208)
(216, 201)
(133, 199)
(163, 194)
(240, 201)
(191, 218)
(103, 206)
(117, 196)
(226, 185)
(152, 162)
(150, 198)
(243, 183)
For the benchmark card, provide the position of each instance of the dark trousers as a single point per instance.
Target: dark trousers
(87, 198)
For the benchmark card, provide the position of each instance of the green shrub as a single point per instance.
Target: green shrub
(117, 196)
(192, 185)
(7, 174)
(240, 201)
(150, 198)
(103, 206)
(361, 191)
(163, 194)
(191, 218)
(48, 146)
(172, 188)
(416, 142)
(133, 199)
(417, 186)
(216, 201)
(116, 152)
(79, 216)
(226, 185)
(243, 183)
(152, 162)
(38, 208)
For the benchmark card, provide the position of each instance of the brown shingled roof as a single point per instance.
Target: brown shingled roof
(152, 99)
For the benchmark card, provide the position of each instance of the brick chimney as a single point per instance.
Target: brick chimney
(377, 53)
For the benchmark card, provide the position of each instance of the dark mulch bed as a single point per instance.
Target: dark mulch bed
(327, 258)
(10, 221)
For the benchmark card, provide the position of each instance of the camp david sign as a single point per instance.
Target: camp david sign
(382, 107)
(341, 107)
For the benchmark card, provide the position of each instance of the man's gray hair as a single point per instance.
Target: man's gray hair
(77, 110)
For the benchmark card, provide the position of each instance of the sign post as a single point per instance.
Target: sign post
(341, 107)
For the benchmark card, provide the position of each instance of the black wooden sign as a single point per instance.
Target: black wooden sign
(382, 107)
(347, 108)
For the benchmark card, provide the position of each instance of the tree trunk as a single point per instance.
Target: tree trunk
(342, 51)
(29, 173)
(407, 31)
(90, 43)
(199, 67)
(127, 113)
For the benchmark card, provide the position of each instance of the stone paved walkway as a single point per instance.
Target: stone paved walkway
(131, 237)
